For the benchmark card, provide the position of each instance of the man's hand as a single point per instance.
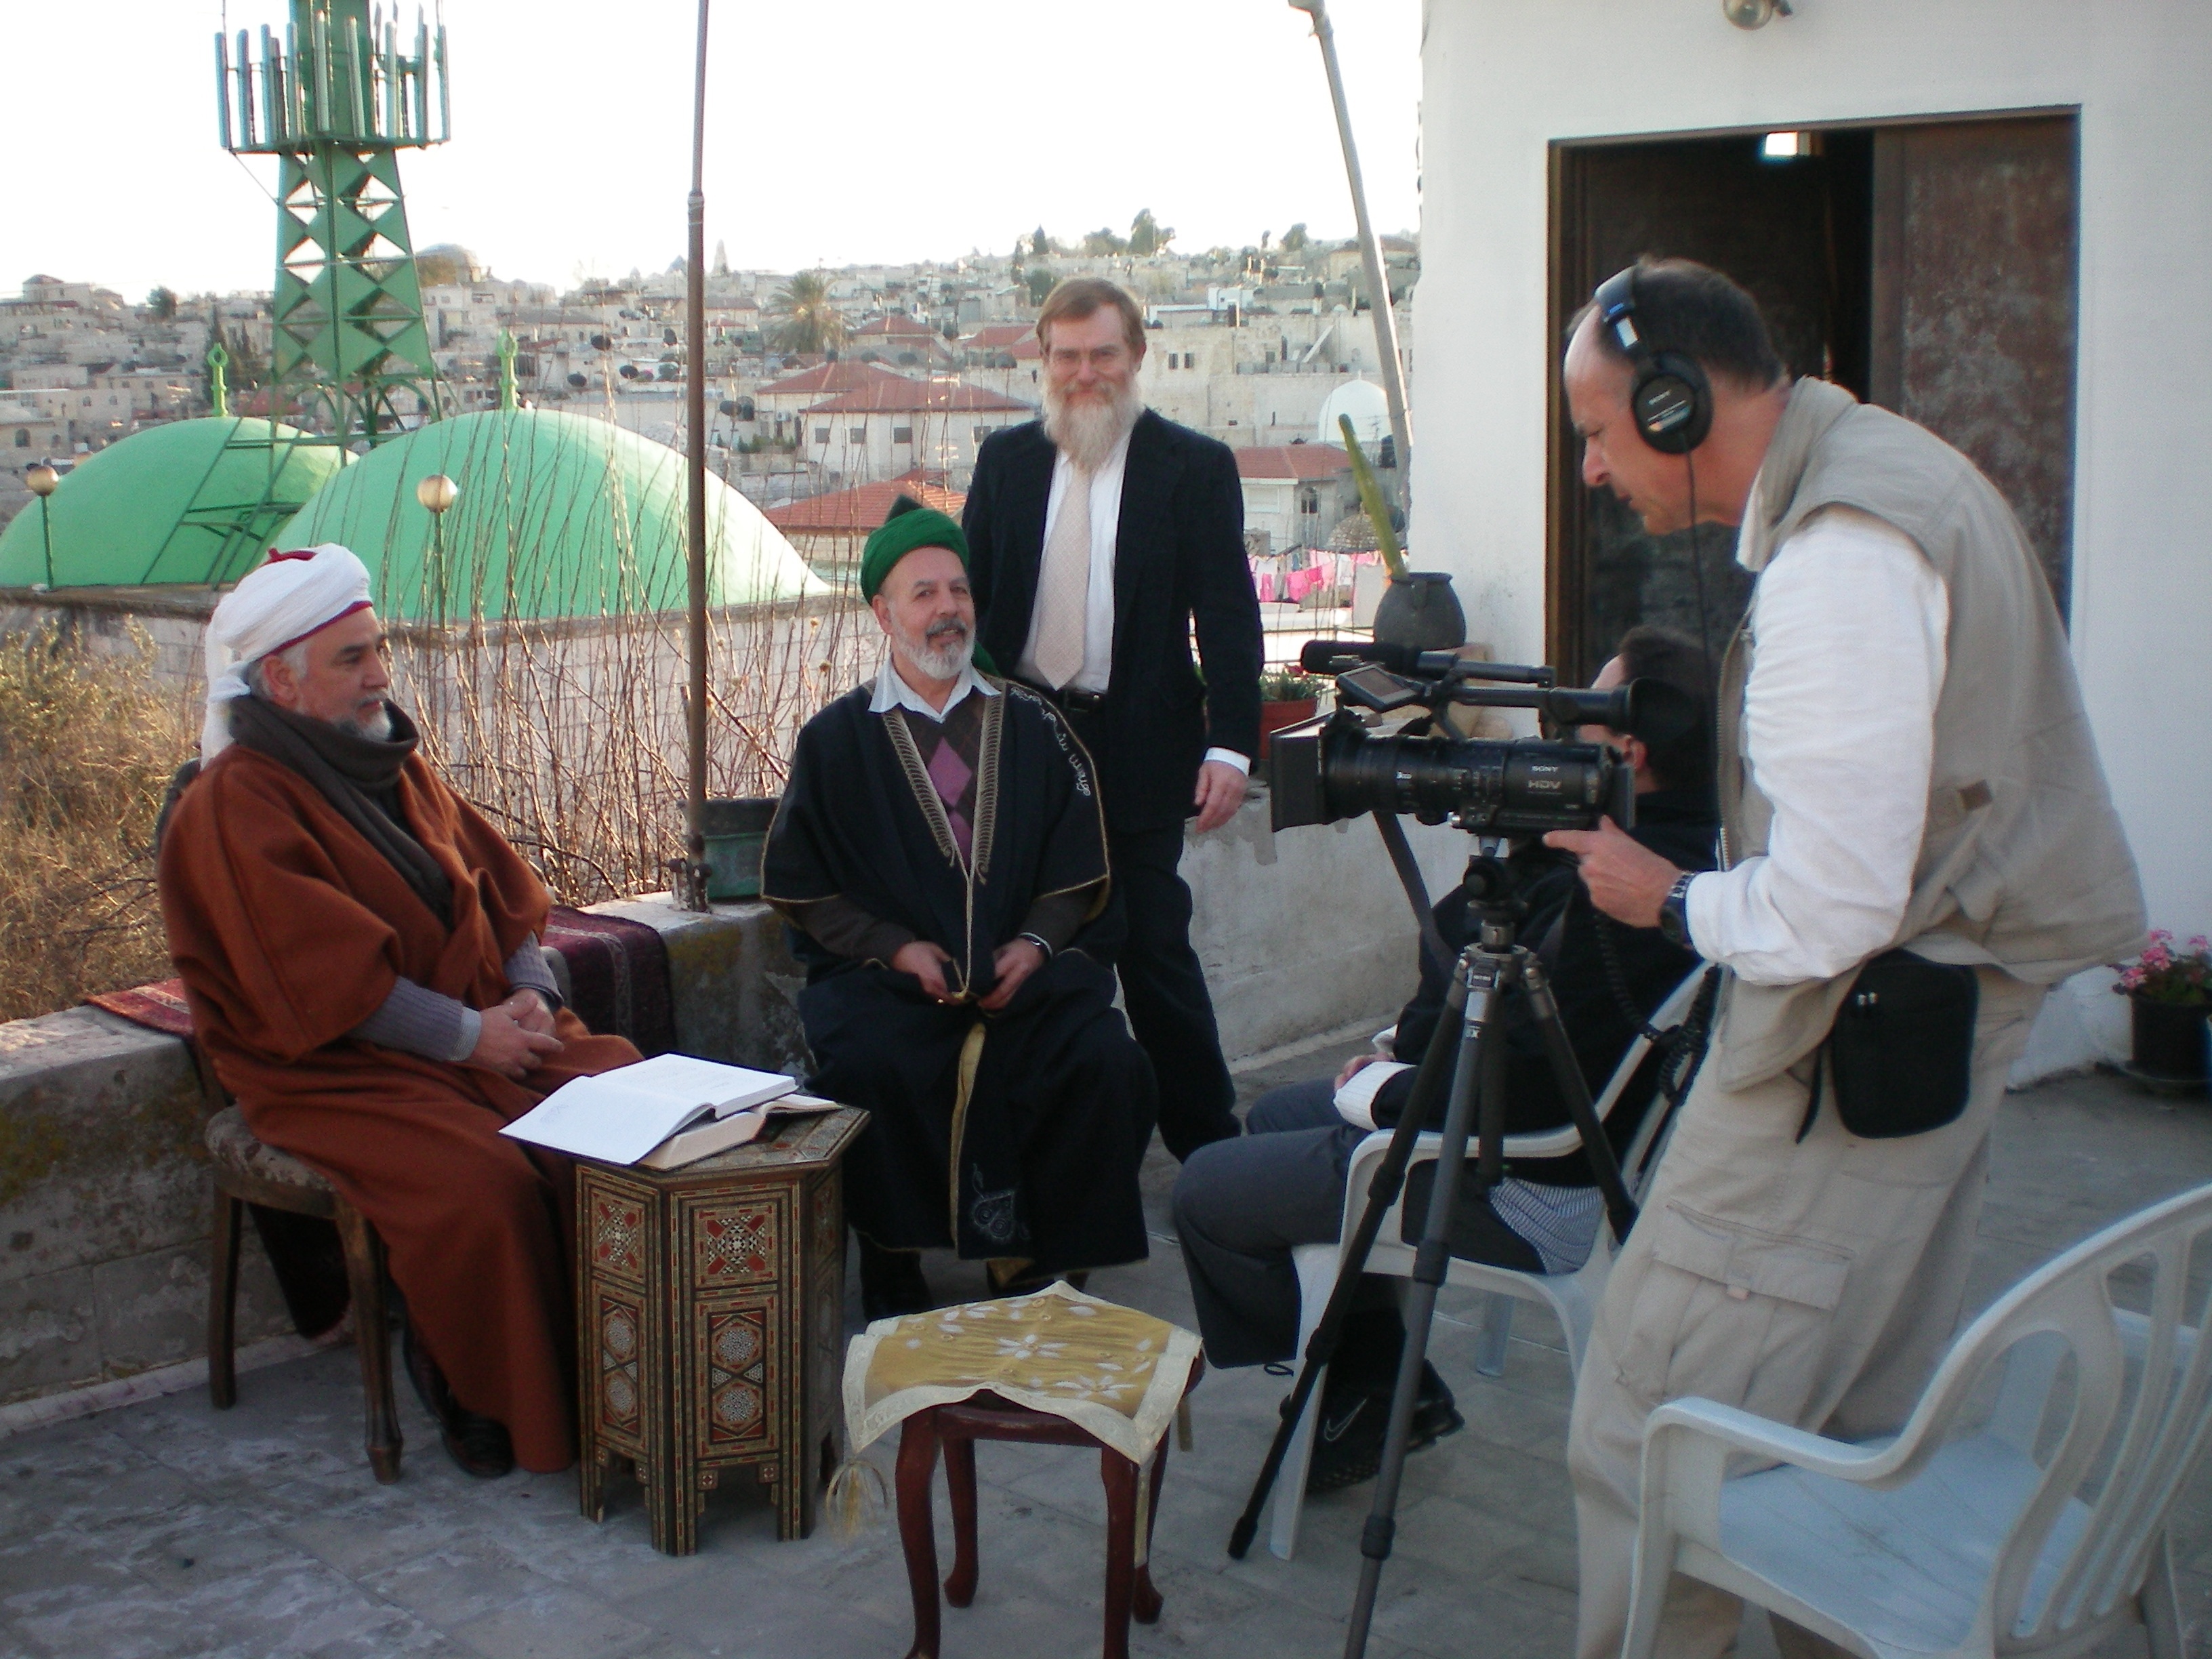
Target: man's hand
(1013, 962)
(1355, 1066)
(925, 961)
(505, 1046)
(1220, 792)
(531, 1010)
(1626, 880)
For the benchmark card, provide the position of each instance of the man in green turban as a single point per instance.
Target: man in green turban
(941, 855)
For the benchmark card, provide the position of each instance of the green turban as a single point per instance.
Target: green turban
(910, 526)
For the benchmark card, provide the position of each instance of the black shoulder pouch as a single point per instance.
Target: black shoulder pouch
(1902, 1049)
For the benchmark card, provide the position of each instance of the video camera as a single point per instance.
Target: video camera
(1354, 761)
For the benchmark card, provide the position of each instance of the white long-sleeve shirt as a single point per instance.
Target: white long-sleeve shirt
(1098, 607)
(1848, 620)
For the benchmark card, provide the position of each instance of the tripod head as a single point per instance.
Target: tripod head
(1493, 893)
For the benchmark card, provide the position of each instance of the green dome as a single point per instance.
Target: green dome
(558, 515)
(189, 502)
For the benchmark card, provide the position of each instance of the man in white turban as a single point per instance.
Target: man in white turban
(359, 948)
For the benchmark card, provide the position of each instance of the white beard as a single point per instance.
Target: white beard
(1086, 432)
(377, 728)
(938, 658)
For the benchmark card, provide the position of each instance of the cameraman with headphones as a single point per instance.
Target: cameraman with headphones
(1916, 841)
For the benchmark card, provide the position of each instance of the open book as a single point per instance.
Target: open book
(712, 1135)
(619, 1116)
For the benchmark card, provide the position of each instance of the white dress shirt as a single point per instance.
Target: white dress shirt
(1850, 620)
(893, 692)
(1098, 609)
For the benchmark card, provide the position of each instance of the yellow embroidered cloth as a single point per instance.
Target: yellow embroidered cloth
(1109, 1370)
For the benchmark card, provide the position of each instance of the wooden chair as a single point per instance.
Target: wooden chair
(987, 1416)
(248, 1170)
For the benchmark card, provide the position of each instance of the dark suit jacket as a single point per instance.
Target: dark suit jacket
(1179, 558)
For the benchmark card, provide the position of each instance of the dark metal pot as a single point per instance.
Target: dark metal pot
(1420, 609)
(2169, 1039)
(736, 830)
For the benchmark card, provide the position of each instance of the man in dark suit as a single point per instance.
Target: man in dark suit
(1099, 537)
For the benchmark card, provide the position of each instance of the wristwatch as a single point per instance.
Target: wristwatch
(1674, 912)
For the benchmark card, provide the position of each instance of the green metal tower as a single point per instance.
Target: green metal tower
(336, 101)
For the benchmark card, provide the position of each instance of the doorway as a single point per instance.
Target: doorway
(1929, 266)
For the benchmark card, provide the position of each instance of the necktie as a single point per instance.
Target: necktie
(1064, 585)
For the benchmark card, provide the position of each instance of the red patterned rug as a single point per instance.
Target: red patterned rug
(617, 974)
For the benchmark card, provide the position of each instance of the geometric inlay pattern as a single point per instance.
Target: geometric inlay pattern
(737, 1376)
(617, 1226)
(618, 1360)
(735, 1246)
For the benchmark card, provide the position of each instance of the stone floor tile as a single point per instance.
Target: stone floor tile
(549, 1622)
(456, 1583)
(52, 1478)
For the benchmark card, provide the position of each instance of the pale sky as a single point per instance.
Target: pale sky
(839, 131)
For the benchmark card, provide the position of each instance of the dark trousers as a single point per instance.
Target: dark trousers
(1164, 990)
(1241, 1208)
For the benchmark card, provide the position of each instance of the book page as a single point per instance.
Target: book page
(619, 1116)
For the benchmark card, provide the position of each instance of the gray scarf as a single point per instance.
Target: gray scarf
(358, 776)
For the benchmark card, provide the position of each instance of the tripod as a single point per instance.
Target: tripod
(1466, 1057)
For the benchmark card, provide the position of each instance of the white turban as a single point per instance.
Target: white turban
(276, 606)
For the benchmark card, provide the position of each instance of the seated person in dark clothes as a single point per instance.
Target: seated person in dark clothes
(940, 854)
(1241, 1206)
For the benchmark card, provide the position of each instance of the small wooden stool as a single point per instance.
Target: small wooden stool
(987, 1416)
(248, 1170)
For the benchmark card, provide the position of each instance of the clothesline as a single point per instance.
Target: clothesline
(1289, 578)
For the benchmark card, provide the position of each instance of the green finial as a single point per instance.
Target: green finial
(1371, 498)
(506, 349)
(218, 387)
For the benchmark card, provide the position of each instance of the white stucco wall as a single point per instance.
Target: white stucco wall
(1505, 78)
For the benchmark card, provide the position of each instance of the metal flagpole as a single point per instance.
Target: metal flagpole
(1370, 250)
(694, 883)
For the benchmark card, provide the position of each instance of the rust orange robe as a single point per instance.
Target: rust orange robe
(289, 929)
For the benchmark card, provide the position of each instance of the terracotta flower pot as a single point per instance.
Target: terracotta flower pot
(2169, 1039)
(1275, 715)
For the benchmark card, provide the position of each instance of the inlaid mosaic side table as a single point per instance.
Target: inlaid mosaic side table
(710, 1317)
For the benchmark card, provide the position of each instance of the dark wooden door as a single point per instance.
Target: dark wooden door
(1794, 234)
(1930, 268)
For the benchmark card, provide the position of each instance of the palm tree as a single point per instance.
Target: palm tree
(810, 322)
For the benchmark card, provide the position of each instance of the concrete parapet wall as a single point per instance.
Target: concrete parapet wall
(104, 1206)
(1300, 932)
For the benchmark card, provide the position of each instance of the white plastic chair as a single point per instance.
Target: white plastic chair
(1572, 1298)
(2039, 1530)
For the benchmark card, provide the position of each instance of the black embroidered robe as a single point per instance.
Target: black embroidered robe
(1012, 1135)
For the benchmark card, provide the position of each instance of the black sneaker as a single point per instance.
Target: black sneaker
(1349, 1434)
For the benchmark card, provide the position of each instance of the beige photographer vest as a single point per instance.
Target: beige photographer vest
(2023, 864)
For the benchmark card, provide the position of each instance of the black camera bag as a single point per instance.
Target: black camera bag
(1902, 1049)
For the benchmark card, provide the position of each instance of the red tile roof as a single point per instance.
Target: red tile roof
(999, 337)
(846, 374)
(860, 509)
(897, 322)
(894, 394)
(1302, 461)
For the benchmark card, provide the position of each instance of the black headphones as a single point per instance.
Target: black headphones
(1670, 397)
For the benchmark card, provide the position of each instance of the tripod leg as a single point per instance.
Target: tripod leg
(1481, 1060)
(1438, 1066)
(1574, 1088)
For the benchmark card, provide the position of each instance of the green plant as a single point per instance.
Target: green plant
(1289, 685)
(2161, 973)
